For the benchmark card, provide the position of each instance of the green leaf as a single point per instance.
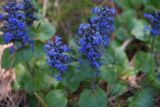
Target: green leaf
(6, 59)
(12, 59)
(40, 80)
(85, 71)
(109, 74)
(144, 62)
(23, 79)
(115, 56)
(142, 98)
(116, 89)
(31, 79)
(93, 98)
(121, 33)
(152, 5)
(39, 49)
(137, 3)
(129, 71)
(44, 30)
(108, 57)
(126, 19)
(74, 46)
(121, 58)
(138, 30)
(151, 80)
(56, 98)
(71, 79)
(125, 4)
(33, 102)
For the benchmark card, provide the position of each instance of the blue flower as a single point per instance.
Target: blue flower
(15, 28)
(57, 56)
(90, 45)
(154, 20)
(103, 22)
(29, 12)
(93, 36)
(58, 77)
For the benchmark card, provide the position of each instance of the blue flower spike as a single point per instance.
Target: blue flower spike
(57, 57)
(96, 34)
(15, 27)
(154, 20)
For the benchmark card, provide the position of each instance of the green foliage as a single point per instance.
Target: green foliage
(72, 80)
(56, 98)
(44, 30)
(137, 3)
(151, 81)
(34, 76)
(144, 62)
(151, 5)
(93, 98)
(30, 79)
(116, 89)
(12, 59)
(139, 30)
(125, 4)
(109, 74)
(142, 98)
(115, 55)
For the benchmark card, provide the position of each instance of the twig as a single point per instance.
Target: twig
(4, 105)
(113, 98)
(57, 7)
(126, 43)
(1, 33)
(45, 3)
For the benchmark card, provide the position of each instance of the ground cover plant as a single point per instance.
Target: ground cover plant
(79, 53)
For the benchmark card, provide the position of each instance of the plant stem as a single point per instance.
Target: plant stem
(13, 59)
(29, 68)
(42, 102)
(94, 81)
(152, 46)
(126, 43)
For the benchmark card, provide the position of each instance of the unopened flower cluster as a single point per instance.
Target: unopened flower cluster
(57, 56)
(14, 21)
(154, 20)
(96, 34)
